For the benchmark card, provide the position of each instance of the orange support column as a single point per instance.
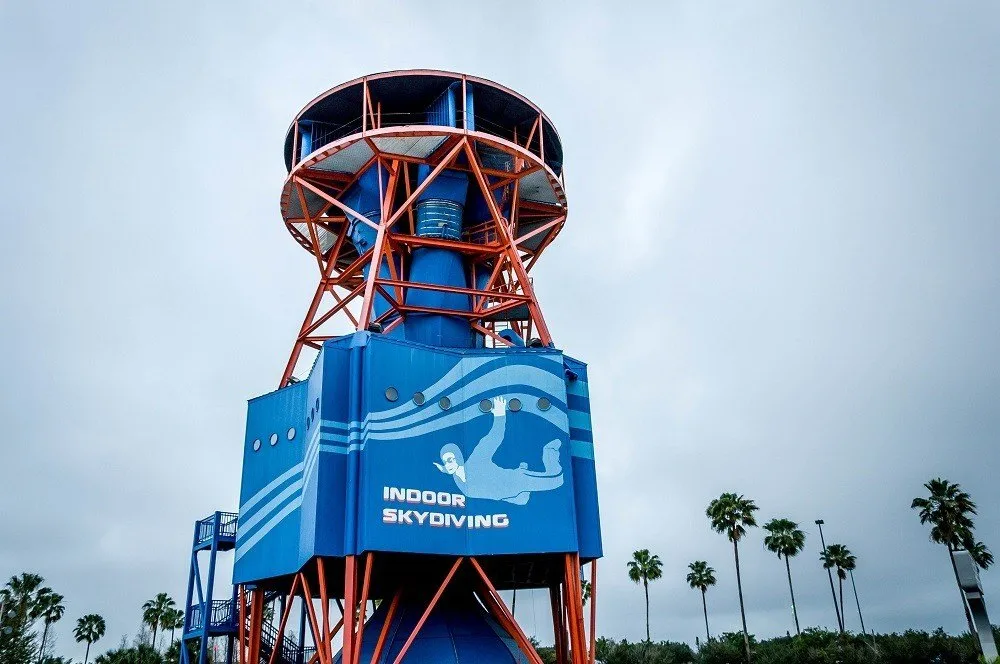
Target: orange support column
(593, 611)
(256, 623)
(350, 592)
(558, 628)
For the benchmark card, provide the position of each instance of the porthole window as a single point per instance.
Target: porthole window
(391, 393)
(418, 398)
(445, 403)
(514, 405)
(274, 439)
(486, 405)
(307, 424)
(544, 404)
(312, 414)
(317, 403)
(291, 433)
(256, 445)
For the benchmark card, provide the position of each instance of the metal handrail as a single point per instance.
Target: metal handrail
(225, 526)
(221, 614)
(324, 133)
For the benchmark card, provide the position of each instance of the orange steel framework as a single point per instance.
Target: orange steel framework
(574, 644)
(497, 243)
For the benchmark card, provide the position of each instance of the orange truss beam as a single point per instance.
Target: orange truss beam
(495, 245)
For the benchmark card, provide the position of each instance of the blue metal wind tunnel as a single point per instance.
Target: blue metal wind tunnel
(441, 452)
(458, 631)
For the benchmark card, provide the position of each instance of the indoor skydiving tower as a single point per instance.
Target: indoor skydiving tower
(442, 451)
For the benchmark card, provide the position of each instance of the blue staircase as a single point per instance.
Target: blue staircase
(207, 617)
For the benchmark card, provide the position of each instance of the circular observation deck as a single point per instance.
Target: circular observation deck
(412, 119)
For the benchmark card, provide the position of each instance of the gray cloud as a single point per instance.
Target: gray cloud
(779, 263)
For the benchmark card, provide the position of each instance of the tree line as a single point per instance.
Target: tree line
(948, 509)
(28, 609)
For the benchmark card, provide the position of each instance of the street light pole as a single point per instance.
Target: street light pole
(840, 622)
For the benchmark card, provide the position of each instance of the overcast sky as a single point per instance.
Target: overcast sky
(780, 263)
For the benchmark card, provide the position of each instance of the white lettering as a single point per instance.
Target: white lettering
(411, 517)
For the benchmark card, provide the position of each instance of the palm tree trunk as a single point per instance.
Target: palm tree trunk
(645, 585)
(795, 612)
(87, 656)
(704, 608)
(154, 635)
(41, 649)
(965, 606)
(739, 588)
(45, 636)
(841, 582)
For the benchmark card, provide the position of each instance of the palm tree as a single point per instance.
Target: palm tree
(645, 567)
(839, 556)
(89, 628)
(173, 619)
(731, 515)
(980, 554)
(21, 595)
(949, 510)
(785, 539)
(585, 589)
(701, 577)
(50, 610)
(153, 611)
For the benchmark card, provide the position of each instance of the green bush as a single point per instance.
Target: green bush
(817, 646)
(610, 651)
(141, 654)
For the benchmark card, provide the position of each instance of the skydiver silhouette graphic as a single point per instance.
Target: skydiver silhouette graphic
(480, 477)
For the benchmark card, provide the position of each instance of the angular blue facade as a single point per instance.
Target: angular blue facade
(394, 446)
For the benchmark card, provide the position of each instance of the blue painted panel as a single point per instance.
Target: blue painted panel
(588, 514)
(512, 468)
(271, 491)
(371, 467)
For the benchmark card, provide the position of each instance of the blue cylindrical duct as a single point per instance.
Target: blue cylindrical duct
(305, 138)
(439, 215)
(364, 197)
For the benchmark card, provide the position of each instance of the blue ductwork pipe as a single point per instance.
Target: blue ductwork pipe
(364, 197)
(439, 215)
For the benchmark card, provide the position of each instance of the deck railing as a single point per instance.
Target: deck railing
(324, 133)
(222, 616)
(222, 522)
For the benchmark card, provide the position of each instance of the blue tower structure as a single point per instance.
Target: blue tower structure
(441, 451)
